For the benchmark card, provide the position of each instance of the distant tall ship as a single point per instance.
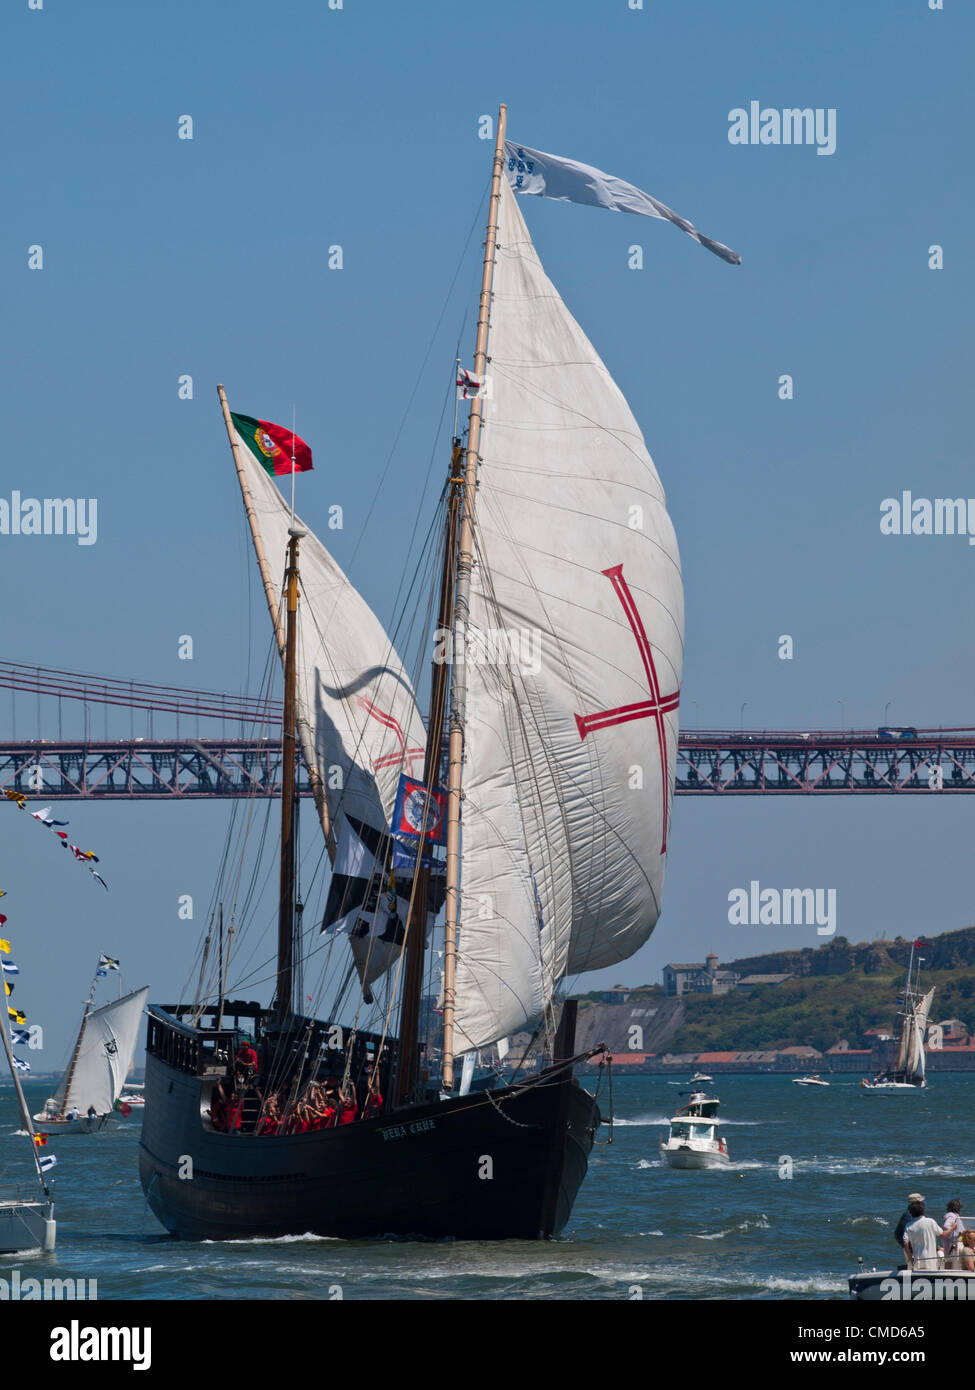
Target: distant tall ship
(907, 1071)
(547, 857)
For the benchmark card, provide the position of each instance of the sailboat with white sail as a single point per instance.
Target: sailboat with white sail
(546, 857)
(85, 1101)
(907, 1071)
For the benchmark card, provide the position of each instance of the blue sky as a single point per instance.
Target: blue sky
(359, 127)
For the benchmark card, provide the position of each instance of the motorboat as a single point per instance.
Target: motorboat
(913, 1285)
(809, 1081)
(692, 1140)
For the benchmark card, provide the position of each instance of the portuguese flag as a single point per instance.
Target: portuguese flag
(272, 445)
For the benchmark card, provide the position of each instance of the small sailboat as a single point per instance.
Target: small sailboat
(692, 1140)
(26, 1223)
(87, 1100)
(907, 1072)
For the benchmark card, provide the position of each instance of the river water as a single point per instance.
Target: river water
(818, 1177)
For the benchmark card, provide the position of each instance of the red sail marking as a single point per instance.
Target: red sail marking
(391, 759)
(655, 708)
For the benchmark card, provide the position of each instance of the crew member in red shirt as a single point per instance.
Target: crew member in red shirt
(348, 1108)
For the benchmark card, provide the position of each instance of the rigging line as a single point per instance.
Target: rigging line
(463, 256)
(236, 837)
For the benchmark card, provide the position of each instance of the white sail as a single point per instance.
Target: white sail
(104, 1056)
(357, 713)
(571, 738)
(919, 1022)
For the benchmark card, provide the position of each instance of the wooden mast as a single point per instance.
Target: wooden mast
(271, 594)
(406, 1077)
(69, 1074)
(286, 899)
(465, 560)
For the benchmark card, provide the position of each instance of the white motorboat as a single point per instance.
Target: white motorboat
(700, 1076)
(693, 1141)
(88, 1099)
(809, 1081)
(905, 1285)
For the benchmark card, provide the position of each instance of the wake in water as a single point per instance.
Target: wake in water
(666, 1119)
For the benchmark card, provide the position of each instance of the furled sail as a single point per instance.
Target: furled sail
(104, 1055)
(910, 1056)
(357, 713)
(573, 665)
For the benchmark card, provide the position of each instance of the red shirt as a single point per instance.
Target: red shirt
(374, 1103)
(348, 1114)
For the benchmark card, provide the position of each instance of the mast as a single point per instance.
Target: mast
(465, 559)
(270, 593)
(416, 927)
(220, 972)
(286, 908)
(25, 1115)
(69, 1074)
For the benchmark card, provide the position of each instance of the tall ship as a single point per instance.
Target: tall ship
(906, 1073)
(553, 604)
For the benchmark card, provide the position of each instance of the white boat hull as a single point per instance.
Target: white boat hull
(913, 1286)
(887, 1086)
(101, 1124)
(688, 1156)
(26, 1226)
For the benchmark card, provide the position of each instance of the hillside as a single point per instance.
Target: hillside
(840, 992)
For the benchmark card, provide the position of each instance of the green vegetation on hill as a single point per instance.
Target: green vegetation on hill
(814, 1011)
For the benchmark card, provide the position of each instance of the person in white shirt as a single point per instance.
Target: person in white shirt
(921, 1240)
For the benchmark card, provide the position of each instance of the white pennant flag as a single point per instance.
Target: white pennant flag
(567, 181)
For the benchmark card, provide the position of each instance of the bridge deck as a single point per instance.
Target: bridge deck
(759, 763)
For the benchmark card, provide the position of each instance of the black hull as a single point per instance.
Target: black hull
(420, 1172)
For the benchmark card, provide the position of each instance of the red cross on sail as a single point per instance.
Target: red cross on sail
(655, 708)
(405, 755)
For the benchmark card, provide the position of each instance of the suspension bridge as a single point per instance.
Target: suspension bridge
(195, 744)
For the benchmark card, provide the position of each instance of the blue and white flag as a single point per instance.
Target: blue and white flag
(106, 963)
(19, 1037)
(48, 1161)
(8, 967)
(20, 1065)
(567, 181)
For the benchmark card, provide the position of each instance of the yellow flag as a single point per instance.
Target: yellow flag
(4, 947)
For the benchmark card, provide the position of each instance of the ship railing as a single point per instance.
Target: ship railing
(204, 1052)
